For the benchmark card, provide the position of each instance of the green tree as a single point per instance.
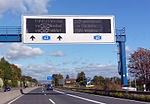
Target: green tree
(67, 76)
(81, 79)
(1, 74)
(5, 66)
(35, 81)
(56, 78)
(116, 80)
(98, 81)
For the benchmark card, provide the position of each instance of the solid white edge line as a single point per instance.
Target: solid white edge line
(51, 101)
(97, 102)
(14, 99)
(93, 101)
(123, 99)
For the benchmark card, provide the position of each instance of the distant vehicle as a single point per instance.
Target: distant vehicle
(7, 89)
(49, 87)
(25, 86)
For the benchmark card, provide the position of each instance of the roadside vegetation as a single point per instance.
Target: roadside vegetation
(139, 71)
(138, 97)
(12, 75)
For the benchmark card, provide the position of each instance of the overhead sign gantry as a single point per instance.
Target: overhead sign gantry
(68, 29)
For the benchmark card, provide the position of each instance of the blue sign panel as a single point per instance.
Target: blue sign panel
(46, 37)
(49, 78)
(88, 81)
(97, 37)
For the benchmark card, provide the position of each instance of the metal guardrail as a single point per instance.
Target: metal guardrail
(114, 91)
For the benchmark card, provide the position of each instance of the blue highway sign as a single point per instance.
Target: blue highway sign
(49, 78)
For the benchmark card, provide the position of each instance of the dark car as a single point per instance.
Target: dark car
(7, 89)
(25, 86)
(49, 87)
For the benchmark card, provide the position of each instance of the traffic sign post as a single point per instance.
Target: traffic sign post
(68, 29)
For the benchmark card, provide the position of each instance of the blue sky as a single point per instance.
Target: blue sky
(46, 59)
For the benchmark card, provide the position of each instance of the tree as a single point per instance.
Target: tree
(56, 78)
(98, 81)
(139, 65)
(1, 74)
(67, 76)
(116, 80)
(5, 66)
(81, 79)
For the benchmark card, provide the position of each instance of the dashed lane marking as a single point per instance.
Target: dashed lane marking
(51, 101)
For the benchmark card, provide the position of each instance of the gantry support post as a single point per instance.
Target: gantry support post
(121, 39)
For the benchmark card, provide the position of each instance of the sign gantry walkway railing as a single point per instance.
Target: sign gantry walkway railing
(10, 34)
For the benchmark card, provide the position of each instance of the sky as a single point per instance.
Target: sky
(42, 60)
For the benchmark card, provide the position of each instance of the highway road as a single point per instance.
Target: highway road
(57, 96)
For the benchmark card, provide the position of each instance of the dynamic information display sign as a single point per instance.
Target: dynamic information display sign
(68, 29)
(45, 26)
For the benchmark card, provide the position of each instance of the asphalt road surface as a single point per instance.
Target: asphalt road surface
(57, 96)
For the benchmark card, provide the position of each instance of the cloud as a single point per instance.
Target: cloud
(57, 54)
(17, 51)
(65, 63)
(19, 65)
(100, 70)
(42, 71)
(24, 6)
(37, 71)
(75, 62)
(83, 63)
(1, 55)
(128, 49)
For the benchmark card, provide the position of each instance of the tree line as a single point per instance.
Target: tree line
(99, 82)
(12, 75)
(139, 69)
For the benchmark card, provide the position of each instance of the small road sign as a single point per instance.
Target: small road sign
(49, 78)
(88, 81)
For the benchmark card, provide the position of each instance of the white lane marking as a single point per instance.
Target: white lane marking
(93, 101)
(106, 96)
(51, 101)
(59, 92)
(14, 99)
(121, 99)
(97, 102)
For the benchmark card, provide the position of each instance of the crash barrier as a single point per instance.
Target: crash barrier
(113, 91)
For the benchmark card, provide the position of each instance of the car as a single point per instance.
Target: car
(25, 86)
(49, 87)
(7, 89)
